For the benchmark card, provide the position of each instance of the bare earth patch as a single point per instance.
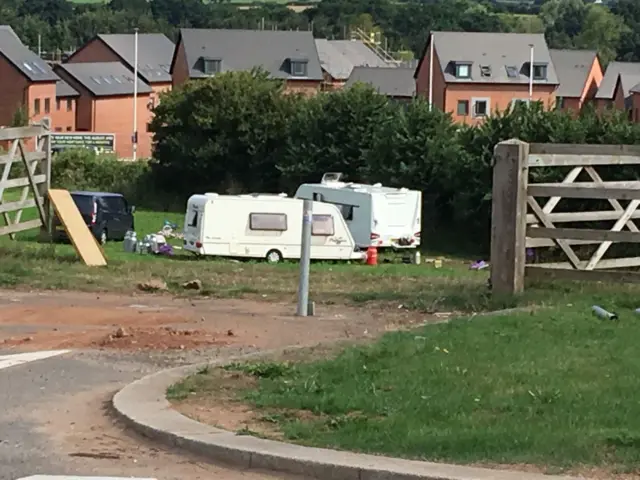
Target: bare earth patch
(66, 320)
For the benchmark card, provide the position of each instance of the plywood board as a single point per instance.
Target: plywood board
(83, 241)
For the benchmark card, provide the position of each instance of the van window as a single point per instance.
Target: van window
(268, 221)
(115, 204)
(322, 225)
(84, 203)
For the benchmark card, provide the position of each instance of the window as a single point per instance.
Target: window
(298, 68)
(463, 107)
(559, 103)
(485, 71)
(58, 104)
(194, 221)
(322, 225)
(463, 70)
(480, 107)
(539, 72)
(47, 105)
(58, 129)
(276, 222)
(149, 127)
(36, 106)
(347, 212)
(512, 72)
(68, 129)
(519, 101)
(211, 66)
(69, 104)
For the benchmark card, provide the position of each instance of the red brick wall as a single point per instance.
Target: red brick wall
(180, 67)
(305, 87)
(13, 86)
(64, 114)
(46, 94)
(94, 51)
(115, 115)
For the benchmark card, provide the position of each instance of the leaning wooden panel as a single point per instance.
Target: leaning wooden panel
(584, 149)
(83, 241)
(538, 273)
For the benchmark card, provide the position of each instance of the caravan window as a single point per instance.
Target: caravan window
(347, 211)
(322, 225)
(268, 221)
(194, 221)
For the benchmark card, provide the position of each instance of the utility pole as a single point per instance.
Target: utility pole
(305, 258)
(134, 138)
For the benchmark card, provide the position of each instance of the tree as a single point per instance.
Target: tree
(221, 134)
(629, 11)
(20, 117)
(563, 20)
(602, 31)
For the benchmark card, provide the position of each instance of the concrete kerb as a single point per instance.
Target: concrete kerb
(144, 407)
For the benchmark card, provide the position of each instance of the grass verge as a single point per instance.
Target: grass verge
(555, 388)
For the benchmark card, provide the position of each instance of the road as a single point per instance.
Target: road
(54, 421)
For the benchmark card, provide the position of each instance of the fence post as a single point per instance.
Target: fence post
(509, 216)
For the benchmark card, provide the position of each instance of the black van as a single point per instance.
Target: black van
(108, 215)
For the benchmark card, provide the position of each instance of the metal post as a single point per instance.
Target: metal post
(135, 95)
(531, 73)
(305, 259)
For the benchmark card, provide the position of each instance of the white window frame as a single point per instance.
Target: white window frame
(255, 220)
(476, 100)
(315, 226)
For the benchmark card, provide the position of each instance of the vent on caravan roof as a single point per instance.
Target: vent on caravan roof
(331, 177)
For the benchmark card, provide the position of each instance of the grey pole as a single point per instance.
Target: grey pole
(305, 259)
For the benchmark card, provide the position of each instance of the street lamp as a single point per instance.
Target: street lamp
(134, 137)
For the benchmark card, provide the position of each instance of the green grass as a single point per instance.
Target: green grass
(555, 387)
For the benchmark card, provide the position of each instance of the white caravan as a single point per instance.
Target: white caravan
(264, 226)
(376, 215)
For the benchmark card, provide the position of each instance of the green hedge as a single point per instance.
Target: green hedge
(238, 132)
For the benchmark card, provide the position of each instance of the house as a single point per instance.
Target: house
(155, 52)
(66, 106)
(476, 73)
(286, 55)
(106, 104)
(580, 74)
(27, 81)
(338, 58)
(616, 85)
(394, 82)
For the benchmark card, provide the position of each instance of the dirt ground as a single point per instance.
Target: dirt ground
(65, 320)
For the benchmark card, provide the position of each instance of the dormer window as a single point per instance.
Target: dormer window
(539, 71)
(485, 71)
(463, 70)
(211, 66)
(298, 67)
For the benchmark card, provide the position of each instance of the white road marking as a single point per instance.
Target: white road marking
(70, 477)
(7, 361)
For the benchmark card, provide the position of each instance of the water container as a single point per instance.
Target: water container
(130, 241)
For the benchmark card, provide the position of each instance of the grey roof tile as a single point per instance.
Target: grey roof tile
(390, 81)
(339, 57)
(155, 52)
(495, 50)
(573, 68)
(63, 89)
(629, 74)
(246, 49)
(105, 78)
(27, 62)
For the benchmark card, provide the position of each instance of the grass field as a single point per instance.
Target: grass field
(555, 388)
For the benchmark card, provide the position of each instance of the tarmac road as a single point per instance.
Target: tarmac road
(54, 420)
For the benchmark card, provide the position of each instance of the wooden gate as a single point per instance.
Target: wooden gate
(25, 177)
(520, 222)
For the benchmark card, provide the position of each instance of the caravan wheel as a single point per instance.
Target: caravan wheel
(274, 256)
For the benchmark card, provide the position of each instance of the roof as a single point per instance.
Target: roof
(105, 78)
(627, 72)
(339, 57)
(63, 89)
(390, 81)
(246, 49)
(573, 68)
(155, 52)
(27, 62)
(494, 50)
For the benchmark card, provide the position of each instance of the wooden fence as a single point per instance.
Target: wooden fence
(520, 222)
(26, 187)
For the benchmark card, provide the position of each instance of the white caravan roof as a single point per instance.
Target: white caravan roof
(332, 180)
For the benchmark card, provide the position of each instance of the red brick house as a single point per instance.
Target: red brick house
(27, 81)
(580, 74)
(105, 103)
(477, 73)
(615, 89)
(155, 52)
(65, 109)
(286, 55)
